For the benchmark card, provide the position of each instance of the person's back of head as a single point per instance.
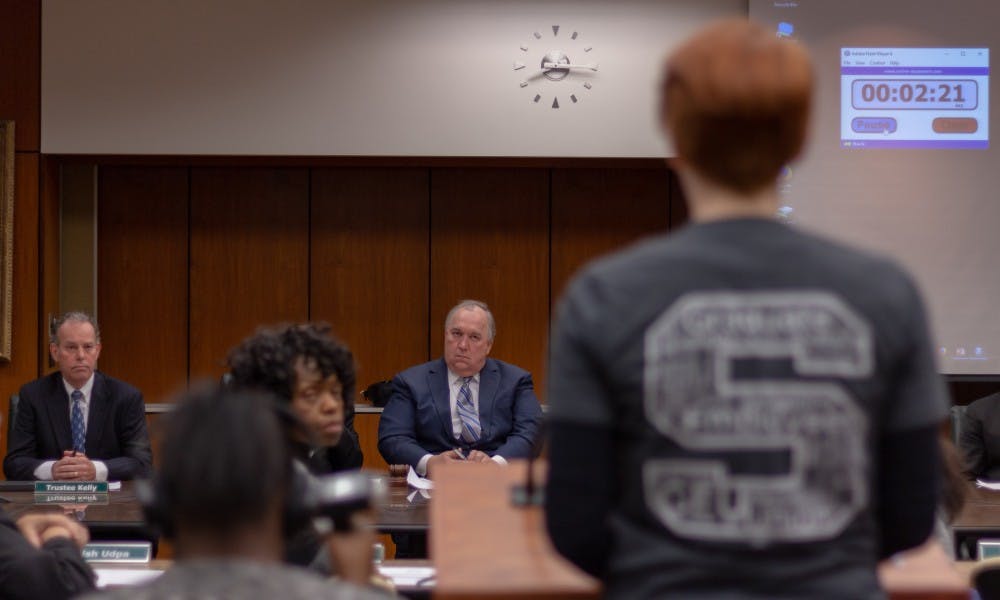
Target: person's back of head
(224, 463)
(736, 102)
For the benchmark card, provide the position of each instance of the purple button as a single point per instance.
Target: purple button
(873, 125)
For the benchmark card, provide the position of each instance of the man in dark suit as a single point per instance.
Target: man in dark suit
(77, 423)
(464, 406)
(979, 438)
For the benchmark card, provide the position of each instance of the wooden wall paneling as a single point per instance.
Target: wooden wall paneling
(78, 237)
(249, 257)
(142, 276)
(369, 268)
(21, 71)
(366, 424)
(23, 366)
(964, 392)
(50, 243)
(490, 242)
(596, 211)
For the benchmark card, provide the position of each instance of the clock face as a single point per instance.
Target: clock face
(556, 66)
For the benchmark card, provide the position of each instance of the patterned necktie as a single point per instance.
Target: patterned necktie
(467, 413)
(76, 423)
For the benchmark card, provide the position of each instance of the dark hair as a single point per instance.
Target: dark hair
(224, 462)
(266, 360)
(75, 316)
(736, 102)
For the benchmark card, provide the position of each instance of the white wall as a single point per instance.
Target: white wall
(338, 77)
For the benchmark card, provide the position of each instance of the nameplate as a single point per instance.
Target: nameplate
(71, 498)
(71, 487)
(988, 549)
(121, 552)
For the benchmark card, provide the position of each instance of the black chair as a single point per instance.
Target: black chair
(12, 414)
(378, 393)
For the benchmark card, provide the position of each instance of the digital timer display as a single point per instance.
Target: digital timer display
(914, 94)
(914, 97)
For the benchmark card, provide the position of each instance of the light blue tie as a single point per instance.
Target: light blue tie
(76, 423)
(467, 413)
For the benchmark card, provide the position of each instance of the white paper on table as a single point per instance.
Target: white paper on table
(416, 481)
(426, 494)
(114, 486)
(990, 485)
(408, 576)
(119, 577)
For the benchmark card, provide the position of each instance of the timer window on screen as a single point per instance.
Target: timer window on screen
(914, 97)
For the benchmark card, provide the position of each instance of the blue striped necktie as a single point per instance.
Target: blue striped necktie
(467, 413)
(76, 423)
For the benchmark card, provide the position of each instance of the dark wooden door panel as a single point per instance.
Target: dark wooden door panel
(369, 264)
(142, 276)
(490, 242)
(596, 211)
(249, 257)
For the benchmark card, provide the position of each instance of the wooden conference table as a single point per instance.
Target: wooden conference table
(119, 516)
(519, 559)
(114, 516)
(979, 519)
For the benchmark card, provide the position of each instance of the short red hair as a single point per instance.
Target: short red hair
(736, 101)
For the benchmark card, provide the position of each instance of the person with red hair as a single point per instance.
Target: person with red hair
(740, 408)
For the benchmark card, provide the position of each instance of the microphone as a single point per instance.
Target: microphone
(337, 497)
(530, 493)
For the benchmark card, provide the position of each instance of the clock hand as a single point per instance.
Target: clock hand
(553, 65)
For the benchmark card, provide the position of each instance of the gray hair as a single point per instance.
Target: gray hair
(491, 325)
(77, 317)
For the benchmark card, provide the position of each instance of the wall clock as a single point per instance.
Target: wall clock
(559, 66)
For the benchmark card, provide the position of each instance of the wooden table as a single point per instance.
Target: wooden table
(483, 547)
(403, 509)
(121, 516)
(979, 519)
(924, 573)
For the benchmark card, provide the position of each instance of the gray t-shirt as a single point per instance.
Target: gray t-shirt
(747, 370)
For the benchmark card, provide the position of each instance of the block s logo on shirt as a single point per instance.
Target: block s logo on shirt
(739, 377)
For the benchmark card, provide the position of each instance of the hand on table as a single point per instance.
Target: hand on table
(457, 455)
(439, 459)
(39, 528)
(477, 456)
(74, 466)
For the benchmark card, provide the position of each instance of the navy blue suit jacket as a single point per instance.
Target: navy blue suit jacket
(417, 419)
(116, 428)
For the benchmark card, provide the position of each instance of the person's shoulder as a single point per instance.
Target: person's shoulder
(116, 387)
(653, 250)
(43, 385)
(866, 276)
(505, 369)
(308, 585)
(607, 277)
(851, 256)
(274, 580)
(984, 406)
(422, 369)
